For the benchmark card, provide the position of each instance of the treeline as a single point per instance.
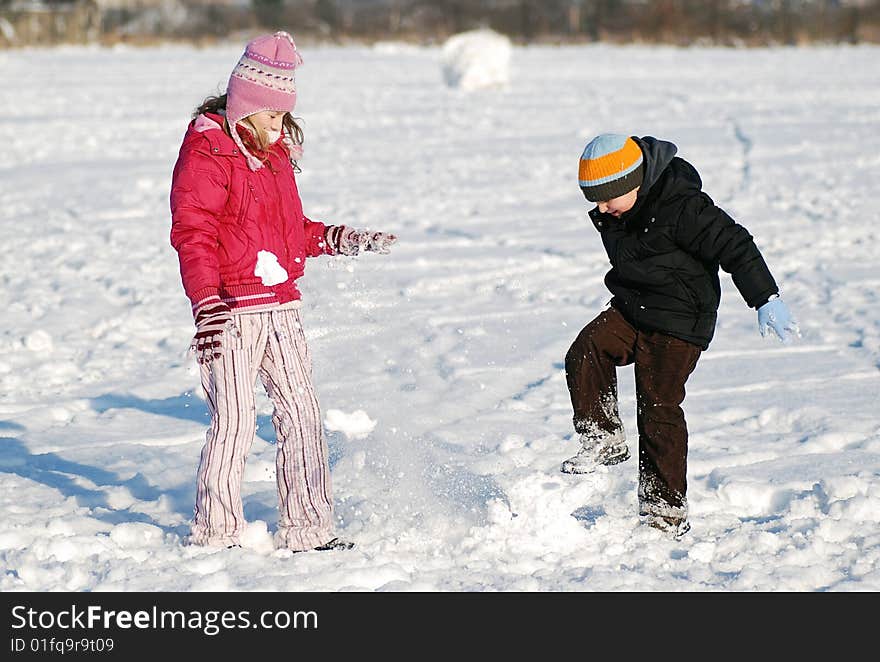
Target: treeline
(680, 22)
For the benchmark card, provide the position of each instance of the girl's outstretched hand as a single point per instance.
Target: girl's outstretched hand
(351, 241)
(379, 242)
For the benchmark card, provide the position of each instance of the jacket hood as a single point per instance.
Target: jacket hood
(210, 127)
(213, 122)
(658, 154)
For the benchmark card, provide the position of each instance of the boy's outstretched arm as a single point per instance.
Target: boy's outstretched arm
(709, 233)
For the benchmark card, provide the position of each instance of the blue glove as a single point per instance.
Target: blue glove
(776, 315)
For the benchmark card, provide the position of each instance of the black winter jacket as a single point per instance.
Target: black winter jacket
(666, 250)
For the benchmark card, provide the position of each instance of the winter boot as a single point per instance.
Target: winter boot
(334, 545)
(675, 527)
(595, 452)
(665, 517)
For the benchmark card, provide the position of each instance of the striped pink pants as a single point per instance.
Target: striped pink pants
(273, 347)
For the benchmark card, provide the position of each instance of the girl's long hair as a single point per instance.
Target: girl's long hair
(217, 105)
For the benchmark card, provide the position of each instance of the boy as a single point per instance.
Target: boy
(665, 239)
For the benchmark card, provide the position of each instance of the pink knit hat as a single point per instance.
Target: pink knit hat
(262, 80)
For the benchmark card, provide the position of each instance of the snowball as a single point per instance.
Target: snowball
(268, 269)
(135, 534)
(476, 59)
(498, 511)
(356, 425)
(38, 341)
(60, 414)
(256, 536)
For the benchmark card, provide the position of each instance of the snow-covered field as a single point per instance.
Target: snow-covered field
(439, 367)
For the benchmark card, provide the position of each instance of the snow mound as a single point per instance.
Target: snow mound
(256, 536)
(356, 425)
(476, 59)
(39, 341)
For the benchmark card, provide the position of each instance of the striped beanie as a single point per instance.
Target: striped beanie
(611, 166)
(262, 80)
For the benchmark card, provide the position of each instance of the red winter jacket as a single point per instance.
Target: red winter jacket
(223, 215)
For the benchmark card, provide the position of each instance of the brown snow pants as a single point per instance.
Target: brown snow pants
(662, 366)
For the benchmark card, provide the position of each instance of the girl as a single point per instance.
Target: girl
(242, 238)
